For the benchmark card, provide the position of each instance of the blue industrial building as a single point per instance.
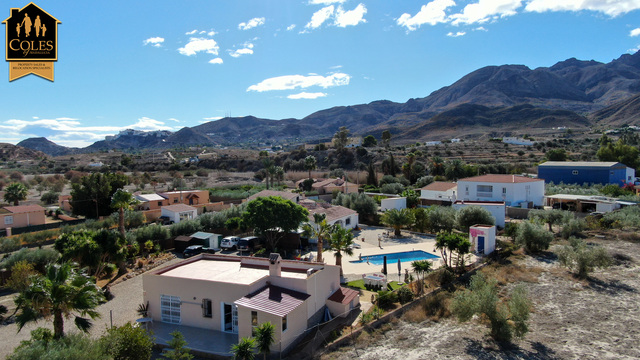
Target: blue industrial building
(586, 172)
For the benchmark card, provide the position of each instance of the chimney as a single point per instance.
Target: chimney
(274, 265)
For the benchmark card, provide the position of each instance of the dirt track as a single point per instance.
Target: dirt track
(597, 318)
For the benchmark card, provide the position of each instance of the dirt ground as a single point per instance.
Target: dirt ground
(598, 318)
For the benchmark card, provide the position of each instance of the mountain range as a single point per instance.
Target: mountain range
(493, 100)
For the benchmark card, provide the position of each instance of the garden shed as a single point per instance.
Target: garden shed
(483, 239)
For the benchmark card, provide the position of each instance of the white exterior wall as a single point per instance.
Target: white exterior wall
(393, 203)
(498, 211)
(630, 175)
(175, 216)
(353, 221)
(449, 195)
(489, 234)
(296, 325)
(514, 194)
(516, 141)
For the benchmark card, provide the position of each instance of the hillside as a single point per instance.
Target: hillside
(10, 152)
(46, 146)
(560, 95)
(623, 113)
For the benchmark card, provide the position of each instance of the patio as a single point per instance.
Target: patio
(201, 341)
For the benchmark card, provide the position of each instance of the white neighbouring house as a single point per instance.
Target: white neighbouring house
(231, 294)
(516, 141)
(439, 190)
(496, 208)
(397, 203)
(512, 189)
(179, 212)
(335, 214)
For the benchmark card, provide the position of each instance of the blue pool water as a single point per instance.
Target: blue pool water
(392, 258)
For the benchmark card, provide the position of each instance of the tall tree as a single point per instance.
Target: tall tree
(15, 192)
(472, 215)
(265, 338)
(436, 166)
(310, 163)
(91, 196)
(386, 138)
(619, 152)
(397, 219)
(421, 268)
(389, 166)
(340, 243)
(341, 138)
(62, 291)
(269, 169)
(272, 217)
(372, 177)
(319, 229)
(421, 219)
(122, 200)
(369, 141)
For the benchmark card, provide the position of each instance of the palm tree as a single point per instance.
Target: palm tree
(340, 242)
(397, 219)
(269, 166)
(279, 174)
(122, 200)
(265, 337)
(15, 192)
(310, 163)
(58, 294)
(421, 268)
(319, 229)
(243, 350)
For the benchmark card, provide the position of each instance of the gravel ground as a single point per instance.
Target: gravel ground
(598, 318)
(127, 297)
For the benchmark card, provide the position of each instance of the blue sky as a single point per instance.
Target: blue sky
(154, 65)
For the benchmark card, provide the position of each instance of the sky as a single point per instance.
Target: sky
(164, 65)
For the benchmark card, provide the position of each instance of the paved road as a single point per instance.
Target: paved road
(128, 295)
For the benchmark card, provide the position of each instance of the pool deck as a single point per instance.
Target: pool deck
(407, 242)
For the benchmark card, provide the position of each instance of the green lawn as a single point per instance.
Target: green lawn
(393, 285)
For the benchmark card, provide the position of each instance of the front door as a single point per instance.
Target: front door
(481, 244)
(230, 318)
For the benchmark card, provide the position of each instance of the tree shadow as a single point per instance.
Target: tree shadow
(509, 351)
(610, 287)
(546, 257)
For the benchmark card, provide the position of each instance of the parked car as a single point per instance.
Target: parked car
(248, 243)
(230, 243)
(164, 220)
(197, 249)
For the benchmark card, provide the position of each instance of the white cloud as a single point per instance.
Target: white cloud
(306, 95)
(196, 45)
(319, 17)
(173, 119)
(216, 61)
(213, 118)
(325, 2)
(36, 118)
(290, 82)
(610, 7)
(432, 13)
(191, 32)
(634, 50)
(240, 52)
(251, 23)
(336, 67)
(291, 27)
(480, 28)
(485, 10)
(634, 32)
(154, 41)
(211, 33)
(459, 33)
(351, 17)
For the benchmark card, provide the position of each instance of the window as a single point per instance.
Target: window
(175, 201)
(485, 188)
(348, 221)
(284, 323)
(574, 172)
(207, 309)
(159, 203)
(504, 191)
(254, 318)
(170, 309)
(8, 220)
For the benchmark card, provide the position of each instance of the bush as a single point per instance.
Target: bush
(154, 233)
(573, 228)
(392, 188)
(9, 244)
(185, 227)
(128, 343)
(533, 238)
(582, 258)
(424, 181)
(405, 295)
(73, 346)
(441, 218)
(39, 258)
(386, 299)
(625, 218)
(359, 202)
(50, 197)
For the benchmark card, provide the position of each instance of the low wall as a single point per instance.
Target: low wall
(517, 213)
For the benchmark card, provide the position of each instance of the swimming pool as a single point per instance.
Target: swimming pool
(392, 258)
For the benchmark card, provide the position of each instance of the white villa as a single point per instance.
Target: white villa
(511, 189)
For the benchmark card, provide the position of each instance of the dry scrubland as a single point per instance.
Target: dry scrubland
(597, 318)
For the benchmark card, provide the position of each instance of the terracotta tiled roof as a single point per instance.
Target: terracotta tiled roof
(179, 207)
(273, 300)
(440, 186)
(501, 178)
(24, 209)
(343, 295)
(283, 194)
(182, 238)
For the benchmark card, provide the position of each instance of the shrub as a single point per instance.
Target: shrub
(625, 218)
(573, 228)
(582, 258)
(73, 346)
(436, 306)
(441, 218)
(392, 188)
(386, 299)
(533, 238)
(404, 295)
(9, 244)
(154, 233)
(39, 258)
(359, 202)
(506, 318)
(110, 269)
(128, 343)
(50, 197)
(185, 227)
(424, 181)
